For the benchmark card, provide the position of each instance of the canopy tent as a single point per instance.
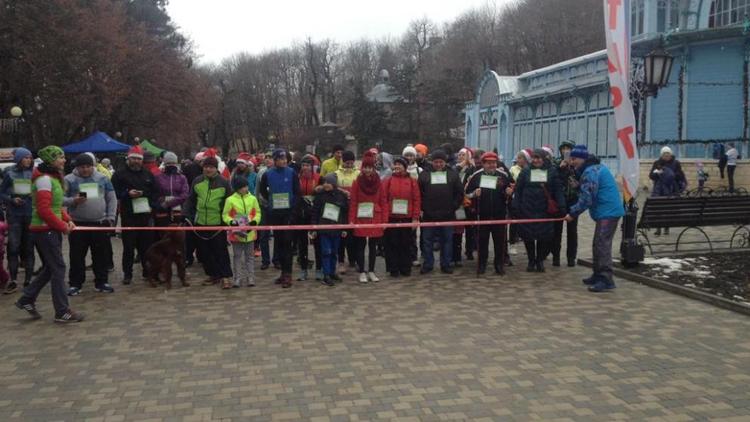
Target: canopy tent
(97, 142)
(148, 146)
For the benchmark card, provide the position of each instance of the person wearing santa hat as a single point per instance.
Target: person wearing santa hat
(136, 191)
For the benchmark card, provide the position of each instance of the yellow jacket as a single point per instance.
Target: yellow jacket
(329, 166)
(243, 209)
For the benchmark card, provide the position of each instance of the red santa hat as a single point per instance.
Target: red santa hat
(135, 152)
(245, 158)
(369, 159)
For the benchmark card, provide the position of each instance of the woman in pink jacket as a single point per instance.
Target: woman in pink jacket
(367, 205)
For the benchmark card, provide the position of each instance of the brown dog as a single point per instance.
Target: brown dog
(162, 254)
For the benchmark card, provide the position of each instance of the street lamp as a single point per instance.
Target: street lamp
(657, 66)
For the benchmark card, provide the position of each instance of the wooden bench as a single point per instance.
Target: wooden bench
(692, 212)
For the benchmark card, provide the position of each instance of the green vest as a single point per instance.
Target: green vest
(209, 203)
(57, 200)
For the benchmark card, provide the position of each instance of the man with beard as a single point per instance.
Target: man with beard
(135, 189)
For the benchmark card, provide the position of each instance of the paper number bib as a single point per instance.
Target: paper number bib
(22, 187)
(140, 206)
(331, 212)
(400, 207)
(90, 189)
(539, 176)
(460, 213)
(366, 210)
(439, 178)
(280, 201)
(170, 199)
(488, 182)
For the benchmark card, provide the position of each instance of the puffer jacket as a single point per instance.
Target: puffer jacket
(346, 178)
(242, 209)
(402, 187)
(379, 203)
(492, 203)
(172, 189)
(127, 179)
(530, 201)
(599, 193)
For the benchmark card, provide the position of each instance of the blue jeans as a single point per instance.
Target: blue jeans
(602, 247)
(20, 245)
(329, 247)
(444, 237)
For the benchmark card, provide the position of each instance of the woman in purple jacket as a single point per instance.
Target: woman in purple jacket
(172, 191)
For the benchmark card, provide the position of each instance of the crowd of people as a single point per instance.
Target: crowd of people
(275, 188)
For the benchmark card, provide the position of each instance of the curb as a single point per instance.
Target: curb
(677, 289)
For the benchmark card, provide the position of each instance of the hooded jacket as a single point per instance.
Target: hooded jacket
(16, 182)
(402, 187)
(243, 209)
(172, 190)
(379, 204)
(598, 193)
(530, 201)
(206, 201)
(97, 208)
(386, 165)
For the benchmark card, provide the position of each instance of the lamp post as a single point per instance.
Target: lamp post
(657, 66)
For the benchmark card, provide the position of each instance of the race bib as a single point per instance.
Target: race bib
(366, 210)
(90, 189)
(141, 206)
(438, 178)
(22, 187)
(488, 182)
(168, 199)
(539, 176)
(331, 212)
(400, 207)
(460, 213)
(280, 201)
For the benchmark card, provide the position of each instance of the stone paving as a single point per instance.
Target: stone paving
(522, 347)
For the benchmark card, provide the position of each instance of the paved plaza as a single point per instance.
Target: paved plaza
(521, 347)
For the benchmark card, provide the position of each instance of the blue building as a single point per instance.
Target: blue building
(705, 102)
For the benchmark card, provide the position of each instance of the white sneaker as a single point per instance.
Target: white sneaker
(342, 268)
(512, 250)
(372, 277)
(416, 263)
(363, 278)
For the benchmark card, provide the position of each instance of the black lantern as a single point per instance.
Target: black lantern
(657, 66)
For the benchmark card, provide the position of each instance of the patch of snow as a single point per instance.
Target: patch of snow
(685, 266)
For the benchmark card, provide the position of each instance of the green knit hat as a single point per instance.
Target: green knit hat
(50, 153)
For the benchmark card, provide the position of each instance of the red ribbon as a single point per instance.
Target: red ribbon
(323, 227)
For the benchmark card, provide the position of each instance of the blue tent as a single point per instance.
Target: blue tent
(97, 142)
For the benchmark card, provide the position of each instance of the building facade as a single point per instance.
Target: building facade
(705, 102)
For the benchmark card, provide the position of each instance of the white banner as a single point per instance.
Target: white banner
(616, 26)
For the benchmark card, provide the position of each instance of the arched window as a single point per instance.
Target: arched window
(637, 12)
(668, 15)
(728, 12)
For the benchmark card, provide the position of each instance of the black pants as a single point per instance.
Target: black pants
(303, 254)
(359, 245)
(347, 244)
(49, 246)
(537, 250)
(100, 246)
(132, 240)
(213, 249)
(20, 247)
(730, 177)
(499, 236)
(571, 250)
(397, 240)
(282, 240)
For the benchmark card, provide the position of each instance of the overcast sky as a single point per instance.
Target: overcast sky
(220, 28)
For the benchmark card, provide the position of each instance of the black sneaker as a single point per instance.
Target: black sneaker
(425, 270)
(446, 270)
(264, 267)
(326, 281)
(127, 280)
(28, 307)
(69, 317)
(335, 278)
(104, 288)
(10, 288)
(74, 291)
(394, 274)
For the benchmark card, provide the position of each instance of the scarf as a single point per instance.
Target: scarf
(369, 185)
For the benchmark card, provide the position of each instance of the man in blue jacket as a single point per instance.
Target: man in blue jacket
(15, 193)
(598, 194)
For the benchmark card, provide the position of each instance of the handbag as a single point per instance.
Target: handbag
(552, 207)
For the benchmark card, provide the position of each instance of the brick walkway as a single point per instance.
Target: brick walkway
(523, 347)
